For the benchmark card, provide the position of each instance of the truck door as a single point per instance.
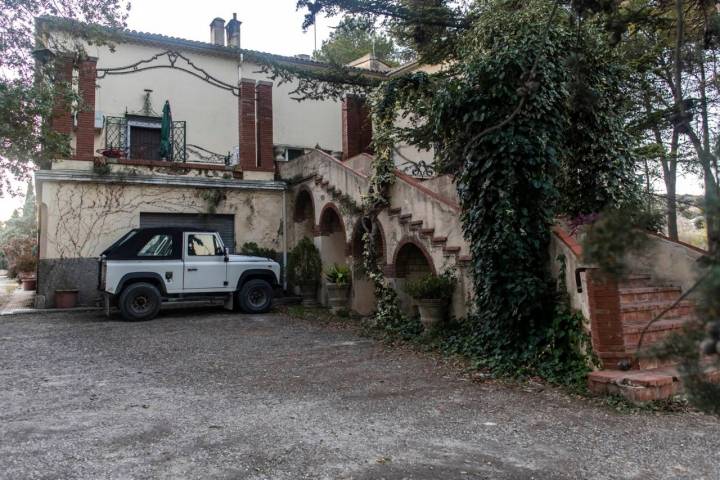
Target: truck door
(204, 259)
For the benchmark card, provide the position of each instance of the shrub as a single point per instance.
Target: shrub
(339, 274)
(304, 264)
(432, 287)
(26, 264)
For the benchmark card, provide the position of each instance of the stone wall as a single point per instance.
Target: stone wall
(64, 274)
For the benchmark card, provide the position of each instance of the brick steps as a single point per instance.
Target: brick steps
(634, 295)
(643, 312)
(642, 385)
(641, 300)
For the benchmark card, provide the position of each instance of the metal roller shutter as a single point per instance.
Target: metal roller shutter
(223, 224)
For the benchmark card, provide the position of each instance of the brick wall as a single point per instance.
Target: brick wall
(61, 120)
(356, 126)
(606, 326)
(266, 160)
(255, 111)
(85, 144)
(248, 134)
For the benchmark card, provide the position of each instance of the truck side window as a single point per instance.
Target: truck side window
(157, 246)
(203, 245)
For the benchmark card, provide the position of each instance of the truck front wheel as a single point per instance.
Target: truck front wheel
(139, 301)
(255, 296)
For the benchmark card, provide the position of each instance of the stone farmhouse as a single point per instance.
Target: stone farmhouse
(254, 164)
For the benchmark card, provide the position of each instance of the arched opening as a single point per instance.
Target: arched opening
(304, 215)
(411, 262)
(332, 241)
(332, 232)
(363, 299)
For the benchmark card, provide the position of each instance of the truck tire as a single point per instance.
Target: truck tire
(255, 296)
(139, 301)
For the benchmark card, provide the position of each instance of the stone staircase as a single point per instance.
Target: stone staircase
(635, 376)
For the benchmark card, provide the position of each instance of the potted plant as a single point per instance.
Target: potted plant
(304, 269)
(433, 294)
(26, 265)
(66, 298)
(338, 286)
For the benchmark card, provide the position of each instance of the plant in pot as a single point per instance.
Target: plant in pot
(304, 269)
(66, 295)
(433, 294)
(26, 265)
(338, 286)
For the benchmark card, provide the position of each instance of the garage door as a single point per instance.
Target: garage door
(223, 224)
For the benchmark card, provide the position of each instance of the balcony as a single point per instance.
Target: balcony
(136, 137)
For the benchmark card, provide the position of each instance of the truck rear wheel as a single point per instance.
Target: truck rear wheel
(255, 296)
(139, 301)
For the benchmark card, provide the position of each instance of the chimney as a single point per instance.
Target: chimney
(217, 32)
(233, 32)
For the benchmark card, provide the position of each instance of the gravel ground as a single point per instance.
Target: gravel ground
(210, 394)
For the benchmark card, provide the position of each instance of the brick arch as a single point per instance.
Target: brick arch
(396, 270)
(298, 215)
(328, 229)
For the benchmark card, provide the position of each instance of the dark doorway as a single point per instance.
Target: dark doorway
(144, 143)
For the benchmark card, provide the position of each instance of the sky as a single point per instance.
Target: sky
(272, 26)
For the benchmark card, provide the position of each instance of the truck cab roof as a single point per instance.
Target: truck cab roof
(128, 246)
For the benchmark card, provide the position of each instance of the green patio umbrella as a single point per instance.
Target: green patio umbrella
(165, 127)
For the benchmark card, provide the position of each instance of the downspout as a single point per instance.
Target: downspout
(285, 244)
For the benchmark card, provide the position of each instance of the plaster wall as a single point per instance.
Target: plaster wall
(667, 261)
(80, 220)
(211, 112)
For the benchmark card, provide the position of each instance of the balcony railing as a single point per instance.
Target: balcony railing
(144, 144)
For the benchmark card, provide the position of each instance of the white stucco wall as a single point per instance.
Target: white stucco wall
(211, 113)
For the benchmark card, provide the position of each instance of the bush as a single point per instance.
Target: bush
(19, 249)
(432, 287)
(304, 264)
(26, 264)
(339, 274)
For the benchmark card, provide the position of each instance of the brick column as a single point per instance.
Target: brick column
(356, 126)
(246, 115)
(85, 144)
(61, 120)
(266, 160)
(605, 321)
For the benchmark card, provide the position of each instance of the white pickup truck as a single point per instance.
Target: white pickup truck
(150, 266)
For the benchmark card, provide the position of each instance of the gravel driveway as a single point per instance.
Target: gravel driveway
(209, 394)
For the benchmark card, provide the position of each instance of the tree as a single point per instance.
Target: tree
(18, 235)
(354, 38)
(27, 93)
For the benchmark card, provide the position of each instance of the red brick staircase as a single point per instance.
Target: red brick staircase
(620, 312)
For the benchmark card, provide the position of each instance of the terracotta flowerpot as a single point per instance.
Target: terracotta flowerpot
(337, 295)
(432, 312)
(309, 294)
(66, 298)
(29, 283)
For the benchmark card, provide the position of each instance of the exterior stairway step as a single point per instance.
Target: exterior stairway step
(416, 224)
(464, 259)
(633, 295)
(405, 217)
(438, 241)
(448, 251)
(641, 386)
(657, 332)
(636, 280)
(394, 211)
(642, 312)
(427, 232)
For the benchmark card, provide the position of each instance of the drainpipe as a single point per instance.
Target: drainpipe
(285, 270)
